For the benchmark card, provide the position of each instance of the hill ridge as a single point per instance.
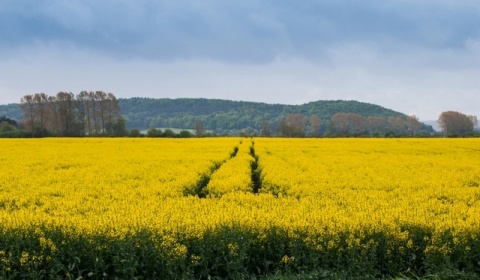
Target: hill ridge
(223, 116)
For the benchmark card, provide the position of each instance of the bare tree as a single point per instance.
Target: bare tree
(455, 123)
(343, 124)
(93, 112)
(40, 102)
(101, 100)
(198, 128)
(67, 115)
(83, 98)
(339, 124)
(397, 124)
(474, 121)
(358, 124)
(297, 124)
(292, 126)
(66, 112)
(27, 104)
(376, 125)
(53, 123)
(112, 114)
(266, 131)
(315, 125)
(413, 124)
(82, 109)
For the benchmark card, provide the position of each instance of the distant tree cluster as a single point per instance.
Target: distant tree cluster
(346, 124)
(157, 133)
(86, 114)
(168, 133)
(8, 121)
(455, 123)
(10, 128)
(292, 126)
(98, 114)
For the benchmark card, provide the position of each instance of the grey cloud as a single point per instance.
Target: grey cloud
(410, 84)
(73, 15)
(250, 31)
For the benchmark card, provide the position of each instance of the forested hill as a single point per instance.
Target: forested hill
(232, 117)
(229, 117)
(11, 111)
(217, 114)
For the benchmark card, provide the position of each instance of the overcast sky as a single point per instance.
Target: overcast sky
(418, 57)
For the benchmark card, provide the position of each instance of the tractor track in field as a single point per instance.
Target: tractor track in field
(256, 170)
(200, 190)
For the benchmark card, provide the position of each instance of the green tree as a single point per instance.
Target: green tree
(135, 133)
(168, 133)
(5, 127)
(117, 128)
(185, 134)
(153, 132)
(9, 121)
(8, 129)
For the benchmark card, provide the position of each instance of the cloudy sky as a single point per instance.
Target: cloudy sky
(418, 57)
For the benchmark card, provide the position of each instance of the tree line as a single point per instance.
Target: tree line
(65, 114)
(349, 124)
(98, 114)
(345, 124)
(226, 117)
(9, 128)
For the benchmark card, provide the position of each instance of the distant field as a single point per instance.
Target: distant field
(238, 207)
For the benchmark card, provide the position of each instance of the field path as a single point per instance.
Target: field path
(239, 173)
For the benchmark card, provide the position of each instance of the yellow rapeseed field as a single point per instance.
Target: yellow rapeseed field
(187, 208)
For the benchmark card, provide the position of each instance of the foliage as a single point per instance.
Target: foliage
(135, 133)
(153, 132)
(233, 117)
(8, 130)
(224, 117)
(9, 121)
(325, 208)
(6, 127)
(11, 111)
(185, 134)
(168, 133)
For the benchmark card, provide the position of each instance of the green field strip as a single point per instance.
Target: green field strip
(256, 171)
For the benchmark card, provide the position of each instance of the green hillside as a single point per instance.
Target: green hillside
(225, 116)
(233, 117)
(11, 111)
